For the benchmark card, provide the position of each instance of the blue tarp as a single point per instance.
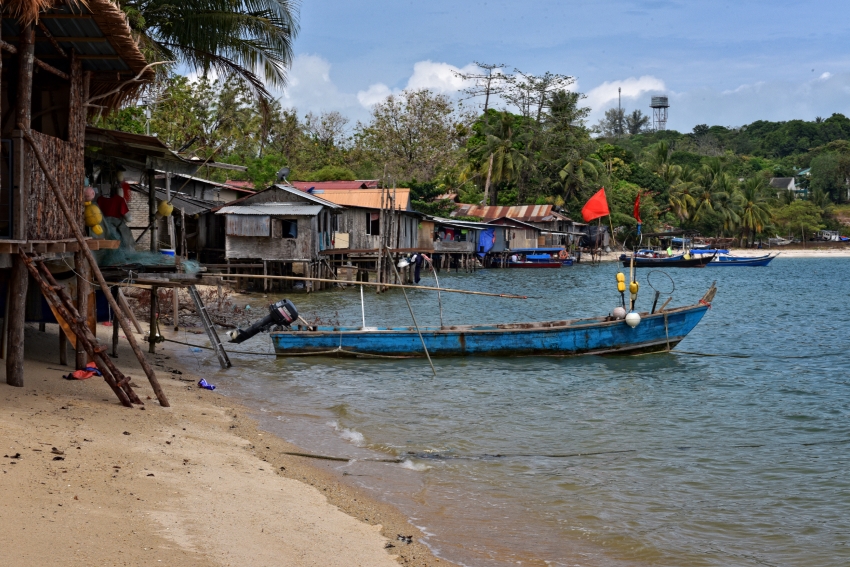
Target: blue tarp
(486, 241)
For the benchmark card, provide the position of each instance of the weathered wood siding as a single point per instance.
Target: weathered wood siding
(425, 235)
(45, 220)
(521, 237)
(305, 247)
(66, 160)
(248, 225)
(354, 222)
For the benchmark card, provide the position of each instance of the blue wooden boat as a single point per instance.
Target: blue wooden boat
(680, 261)
(740, 261)
(660, 331)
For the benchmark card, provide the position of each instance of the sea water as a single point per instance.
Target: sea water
(733, 450)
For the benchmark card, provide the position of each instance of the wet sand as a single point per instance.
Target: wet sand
(86, 481)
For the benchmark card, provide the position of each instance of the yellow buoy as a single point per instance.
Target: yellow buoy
(165, 209)
(93, 217)
(633, 287)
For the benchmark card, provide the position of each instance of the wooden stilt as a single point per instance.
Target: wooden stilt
(63, 348)
(15, 311)
(115, 325)
(129, 312)
(83, 290)
(154, 307)
(175, 308)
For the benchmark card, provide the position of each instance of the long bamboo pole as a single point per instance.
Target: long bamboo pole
(375, 284)
(72, 222)
(412, 316)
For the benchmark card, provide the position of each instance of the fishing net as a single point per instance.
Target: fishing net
(126, 253)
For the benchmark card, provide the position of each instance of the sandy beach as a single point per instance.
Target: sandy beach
(86, 481)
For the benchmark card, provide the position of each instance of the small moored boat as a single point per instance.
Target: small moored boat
(653, 332)
(680, 261)
(741, 261)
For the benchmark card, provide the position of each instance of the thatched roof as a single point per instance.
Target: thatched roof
(111, 53)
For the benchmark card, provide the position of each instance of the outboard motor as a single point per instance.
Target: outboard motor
(281, 313)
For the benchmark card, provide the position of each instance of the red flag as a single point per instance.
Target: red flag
(596, 206)
(637, 208)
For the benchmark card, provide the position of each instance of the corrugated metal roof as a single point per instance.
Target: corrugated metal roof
(321, 185)
(276, 209)
(527, 213)
(367, 198)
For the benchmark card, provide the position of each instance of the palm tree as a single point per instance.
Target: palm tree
(579, 172)
(681, 200)
(755, 213)
(504, 158)
(247, 39)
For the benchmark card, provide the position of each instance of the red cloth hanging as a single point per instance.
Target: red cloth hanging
(127, 194)
(596, 206)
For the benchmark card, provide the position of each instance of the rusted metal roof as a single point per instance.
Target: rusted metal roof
(526, 213)
(357, 184)
(366, 198)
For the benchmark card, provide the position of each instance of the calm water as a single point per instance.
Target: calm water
(666, 459)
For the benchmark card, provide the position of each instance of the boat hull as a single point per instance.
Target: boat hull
(658, 332)
(534, 264)
(697, 261)
(741, 262)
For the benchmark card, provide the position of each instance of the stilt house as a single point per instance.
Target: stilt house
(60, 63)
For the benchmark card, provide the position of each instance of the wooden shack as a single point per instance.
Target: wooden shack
(59, 65)
(519, 234)
(282, 230)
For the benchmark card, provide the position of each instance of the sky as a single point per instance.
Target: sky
(720, 62)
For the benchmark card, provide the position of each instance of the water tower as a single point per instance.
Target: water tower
(659, 108)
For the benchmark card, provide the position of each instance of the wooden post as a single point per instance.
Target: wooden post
(152, 210)
(73, 224)
(152, 335)
(19, 278)
(115, 323)
(15, 312)
(63, 347)
(83, 291)
(175, 307)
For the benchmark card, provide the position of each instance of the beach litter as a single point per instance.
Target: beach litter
(205, 385)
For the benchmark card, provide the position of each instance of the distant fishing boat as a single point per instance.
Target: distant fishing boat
(659, 261)
(540, 258)
(741, 261)
(652, 332)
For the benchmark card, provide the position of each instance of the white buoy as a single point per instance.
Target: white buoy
(619, 313)
(632, 319)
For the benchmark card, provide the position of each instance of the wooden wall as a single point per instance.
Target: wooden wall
(353, 221)
(45, 220)
(305, 247)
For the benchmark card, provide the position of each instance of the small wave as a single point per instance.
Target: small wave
(354, 437)
(408, 464)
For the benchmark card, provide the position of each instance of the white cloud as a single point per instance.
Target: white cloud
(826, 75)
(374, 94)
(601, 96)
(438, 77)
(310, 87)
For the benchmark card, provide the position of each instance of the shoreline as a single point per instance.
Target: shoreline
(195, 484)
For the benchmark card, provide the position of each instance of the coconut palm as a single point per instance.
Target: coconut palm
(501, 155)
(247, 39)
(578, 172)
(680, 199)
(754, 211)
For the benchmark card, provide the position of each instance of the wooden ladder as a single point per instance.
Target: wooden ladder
(215, 341)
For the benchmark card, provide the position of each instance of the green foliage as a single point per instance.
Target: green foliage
(800, 217)
(130, 119)
(330, 173)
(233, 38)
